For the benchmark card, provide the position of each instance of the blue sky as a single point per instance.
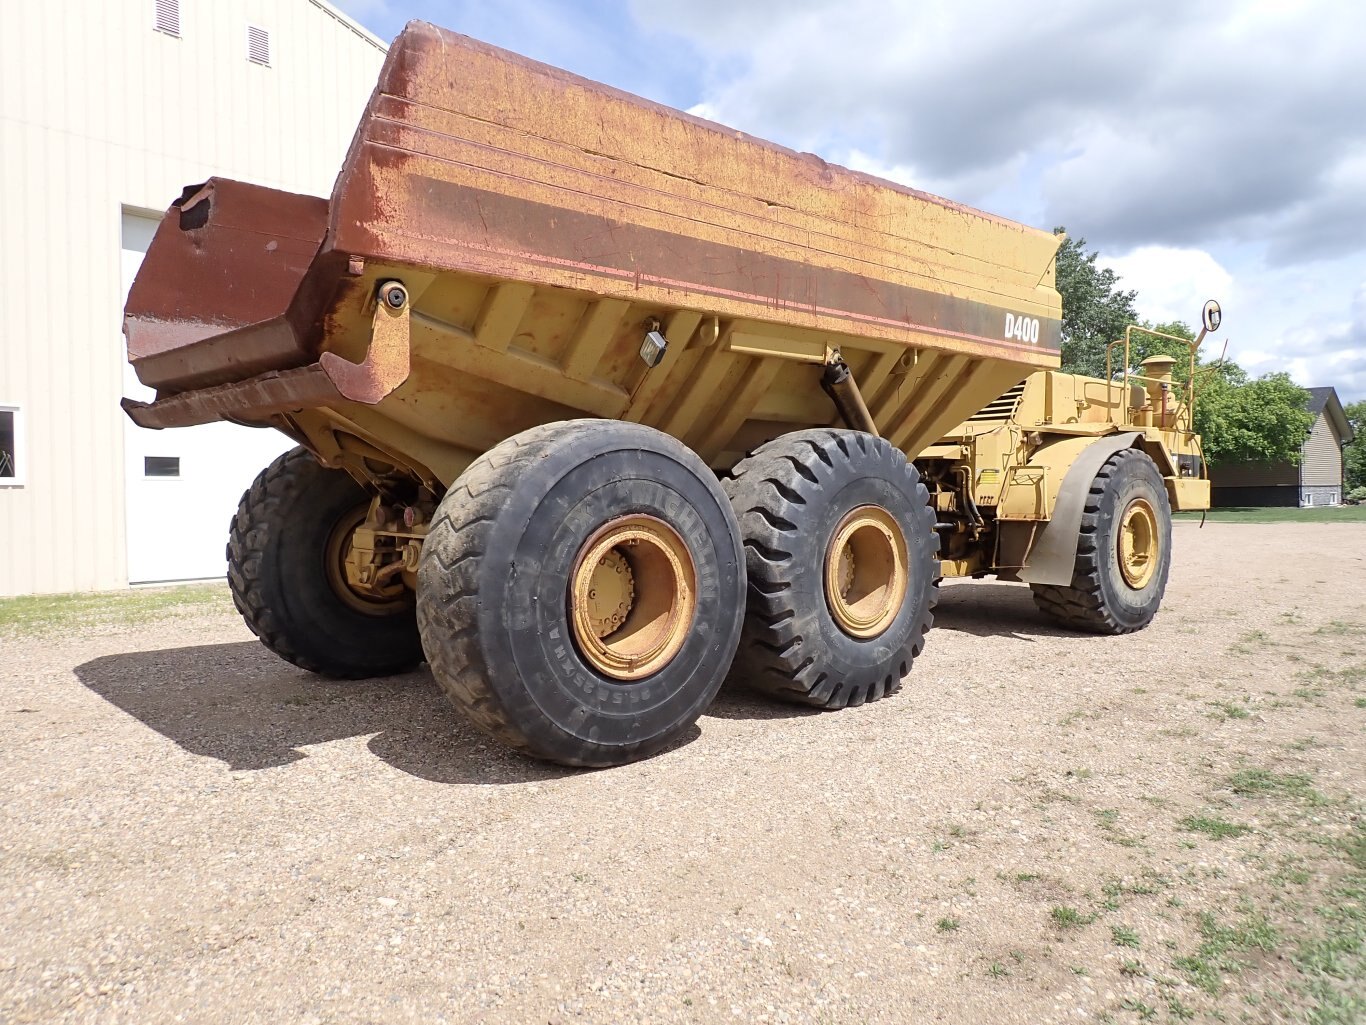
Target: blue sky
(1204, 148)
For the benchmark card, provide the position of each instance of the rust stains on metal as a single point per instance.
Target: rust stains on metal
(386, 363)
(217, 296)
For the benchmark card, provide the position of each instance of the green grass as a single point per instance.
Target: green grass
(54, 613)
(1214, 828)
(1123, 936)
(1264, 783)
(1069, 918)
(1217, 955)
(1248, 514)
(947, 924)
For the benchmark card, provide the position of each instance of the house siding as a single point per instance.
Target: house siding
(1322, 466)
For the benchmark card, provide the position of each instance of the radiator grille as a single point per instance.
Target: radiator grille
(1000, 409)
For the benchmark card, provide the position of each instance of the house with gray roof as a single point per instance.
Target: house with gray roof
(1316, 481)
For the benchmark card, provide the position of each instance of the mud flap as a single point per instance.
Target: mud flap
(1054, 556)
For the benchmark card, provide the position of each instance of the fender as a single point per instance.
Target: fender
(1055, 553)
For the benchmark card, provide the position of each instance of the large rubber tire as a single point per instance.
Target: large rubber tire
(790, 497)
(1100, 599)
(276, 569)
(493, 590)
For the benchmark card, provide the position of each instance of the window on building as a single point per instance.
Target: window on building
(161, 466)
(258, 46)
(11, 446)
(168, 17)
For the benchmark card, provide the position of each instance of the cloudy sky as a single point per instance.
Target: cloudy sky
(1206, 149)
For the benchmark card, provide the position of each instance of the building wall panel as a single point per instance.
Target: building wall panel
(120, 117)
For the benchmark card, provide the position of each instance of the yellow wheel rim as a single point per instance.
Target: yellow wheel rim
(866, 578)
(395, 596)
(632, 597)
(1138, 543)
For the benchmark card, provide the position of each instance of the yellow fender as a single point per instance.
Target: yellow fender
(1072, 464)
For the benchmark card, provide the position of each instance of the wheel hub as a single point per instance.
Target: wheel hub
(1138, 544)
(611, 593)
(866, 574)
(387, 599)
(632, 597)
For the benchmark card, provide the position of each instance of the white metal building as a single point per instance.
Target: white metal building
(107, 109)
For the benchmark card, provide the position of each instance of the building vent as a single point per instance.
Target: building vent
(1001, 409)
(168, 17)
(258, 46)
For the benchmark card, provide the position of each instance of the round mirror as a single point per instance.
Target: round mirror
(1211, 315)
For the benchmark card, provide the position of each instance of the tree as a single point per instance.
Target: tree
(1094, 310)
(1354, 455)
(1264, 420)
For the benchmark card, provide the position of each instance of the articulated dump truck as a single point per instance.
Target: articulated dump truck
(598, 403)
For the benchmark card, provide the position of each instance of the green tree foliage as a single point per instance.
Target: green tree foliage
(1264, 420)
(1239, 419)
(1094, 309)
(1354, 455)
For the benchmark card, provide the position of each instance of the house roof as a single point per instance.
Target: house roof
(1326, 400)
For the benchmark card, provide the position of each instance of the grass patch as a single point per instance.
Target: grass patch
(1145, 1012)
(1065, 917)
(947, 924)
(1248, 514)
(1108, 821)
(1341, 628)
(1251, 641)
(52, 613)
(1214, 828)
(1123, 936)
(1333, 958)
(1232, 711)
(1264, 783)
(1217, 955)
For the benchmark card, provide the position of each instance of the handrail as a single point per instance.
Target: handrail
(1187, 400)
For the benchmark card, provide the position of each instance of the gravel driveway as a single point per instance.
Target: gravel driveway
(1041, 827)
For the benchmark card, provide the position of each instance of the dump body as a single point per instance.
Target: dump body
(541, 225)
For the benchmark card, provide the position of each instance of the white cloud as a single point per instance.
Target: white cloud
(1164, 123)
(1173, 283)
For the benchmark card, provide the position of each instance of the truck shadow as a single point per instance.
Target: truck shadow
(240, 704)
(993, 609)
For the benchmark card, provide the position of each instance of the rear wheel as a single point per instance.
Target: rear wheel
(1123, 553)
(581, 591)
(841, 557)
(286, 551)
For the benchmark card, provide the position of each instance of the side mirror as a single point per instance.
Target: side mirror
(1210, 316)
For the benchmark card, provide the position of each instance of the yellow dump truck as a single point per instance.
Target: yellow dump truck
(594, 399)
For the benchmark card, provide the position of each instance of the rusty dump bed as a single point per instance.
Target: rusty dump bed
(540, 225)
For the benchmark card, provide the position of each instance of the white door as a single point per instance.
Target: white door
(183, 485)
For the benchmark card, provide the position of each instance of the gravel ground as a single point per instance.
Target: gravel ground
(1040, 827)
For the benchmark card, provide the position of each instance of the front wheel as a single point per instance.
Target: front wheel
(581, 590)
(1123, 553)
